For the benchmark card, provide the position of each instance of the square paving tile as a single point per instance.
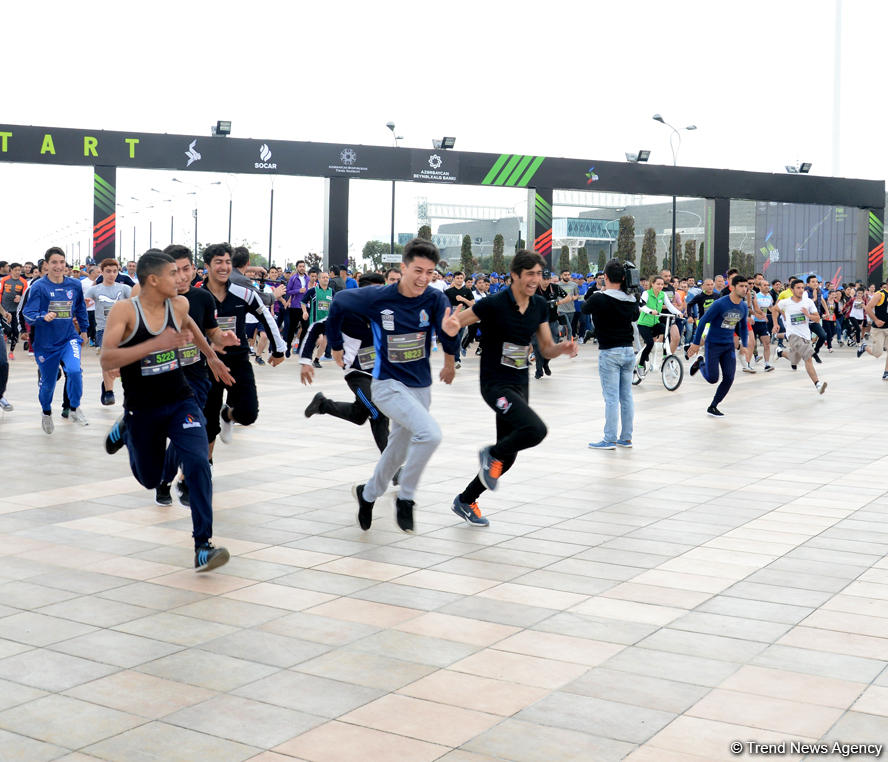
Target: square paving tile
(159, 740)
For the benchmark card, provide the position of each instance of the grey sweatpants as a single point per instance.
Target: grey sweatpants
(413, 438)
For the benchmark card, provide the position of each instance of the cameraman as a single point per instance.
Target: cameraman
(613, 312)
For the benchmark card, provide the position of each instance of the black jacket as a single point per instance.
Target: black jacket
(613, 313)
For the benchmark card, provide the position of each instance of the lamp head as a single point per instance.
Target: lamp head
(658, 118)
(390, 125)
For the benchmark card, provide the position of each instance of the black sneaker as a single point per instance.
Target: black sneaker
(538, 374)
(207, 557)
(714, 412)
(259, 360)
(817, 358)
(546, 368)
(316, 363)
(108, 398)
(314, 407)
(365, 507)
(114, 440)
(66, 412)
(695, 366)
(162, 495)
(183, 493)
(404, 514)
(861, 350)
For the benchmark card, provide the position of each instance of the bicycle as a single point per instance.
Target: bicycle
(670, 366)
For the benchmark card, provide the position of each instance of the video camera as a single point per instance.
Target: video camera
(631, 279)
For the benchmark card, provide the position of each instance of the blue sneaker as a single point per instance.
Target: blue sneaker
(861, 349)
(603, 445)
(116, 436)
(627, 443)
(491, 469)
(470, 512)
(207, 557)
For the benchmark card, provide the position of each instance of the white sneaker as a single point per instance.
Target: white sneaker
(226, 428)
(820, 386)
(78, 416)
(747, 368)
(5, 405)
(46, 423)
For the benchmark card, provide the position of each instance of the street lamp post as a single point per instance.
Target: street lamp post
(193, 211)
(230, 203)
(675, 146)
(395, 138)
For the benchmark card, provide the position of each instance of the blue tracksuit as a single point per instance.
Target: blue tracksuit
(723, 316)
(57, 341)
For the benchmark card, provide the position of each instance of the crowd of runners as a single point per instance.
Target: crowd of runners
(183, 336)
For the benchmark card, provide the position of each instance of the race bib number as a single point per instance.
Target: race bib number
(188, 355)
(62, 309)
(323, 305)
(797, 318)
(160, 362)
(106, 308)
(367, 358)
(730, 320)
(406, 347)
(227, 323)
(515, 355)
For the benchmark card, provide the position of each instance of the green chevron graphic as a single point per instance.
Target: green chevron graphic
(513, 170)
(876, 227)
(103, 195)
(543, 213)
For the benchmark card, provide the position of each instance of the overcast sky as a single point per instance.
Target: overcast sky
(578, 79)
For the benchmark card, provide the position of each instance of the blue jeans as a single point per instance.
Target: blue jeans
(615, 371)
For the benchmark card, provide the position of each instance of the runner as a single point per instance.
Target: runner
(508, 321)
(798, 310)
(158, 403)
(12, 290)
(54, 303)
(877, 310)
(723, 317)
(402, 317)
(104, 294)
(233, 302)
(359, 357)
(201, 309)
(315, 308)
(761, 330)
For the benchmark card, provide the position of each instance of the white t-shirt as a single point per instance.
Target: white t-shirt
(794, 319)
(86, 284)
(439, 285)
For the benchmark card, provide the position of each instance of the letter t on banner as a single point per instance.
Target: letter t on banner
(104, 213)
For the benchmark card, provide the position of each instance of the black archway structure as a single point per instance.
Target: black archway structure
(107, 151)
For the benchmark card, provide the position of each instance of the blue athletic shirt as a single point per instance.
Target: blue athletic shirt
(66, 300)
(723, 316)
(402, 329)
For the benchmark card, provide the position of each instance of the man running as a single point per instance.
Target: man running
(104, 294)
(798, 312)
(877, 311)
(508, 322)
(12, 289)
(233, 302)
(143, 338)
(402, 317)
(359, 359)
(315, 308)
(202, 310)
(53, 303)
(724, 316)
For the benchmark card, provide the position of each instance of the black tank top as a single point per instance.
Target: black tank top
(882, 309)
(158, 379)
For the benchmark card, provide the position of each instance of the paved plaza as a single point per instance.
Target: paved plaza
(725, 580)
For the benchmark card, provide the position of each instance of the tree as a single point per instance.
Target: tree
(750, 264)
(582, 261)
(626, 238)
(690, 260)
(738, 259)
(520, 244)
(700, 257)
(564, 259)
(465, 255)
(602, 260)
(425, 232)
(498, 263)
(667, 260)
(649, 253)
(313, 260)
(373, 251)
